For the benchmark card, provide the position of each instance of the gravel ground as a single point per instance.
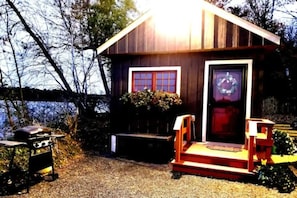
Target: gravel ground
(95, 176)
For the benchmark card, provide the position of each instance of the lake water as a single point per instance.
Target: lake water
(41, 112)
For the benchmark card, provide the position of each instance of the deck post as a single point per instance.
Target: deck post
(178, 145)
(182, 125)
(251, 144)
(178, 137)
(251, 153)
(269, 139)
(188, 128)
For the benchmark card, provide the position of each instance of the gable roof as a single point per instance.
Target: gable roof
(206, 7)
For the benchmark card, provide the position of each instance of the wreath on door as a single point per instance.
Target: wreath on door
(227, 85)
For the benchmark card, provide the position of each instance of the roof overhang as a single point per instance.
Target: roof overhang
(204, 5)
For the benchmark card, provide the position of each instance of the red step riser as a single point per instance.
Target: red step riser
(214, 160)
(219, 174)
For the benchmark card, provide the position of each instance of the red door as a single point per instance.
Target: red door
(226, 103)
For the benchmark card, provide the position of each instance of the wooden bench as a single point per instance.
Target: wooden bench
(146, 136)
(143, 146)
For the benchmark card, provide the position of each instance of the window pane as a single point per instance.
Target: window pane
(148, 83)
(159, 75)
(172, 75)
(172, 82)
(137, 82)
(145, 75)
(166, 81)
(154, 80)
(159, 82)
(142, 80)
(171, 89)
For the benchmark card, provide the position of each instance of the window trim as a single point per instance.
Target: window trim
(161, 68)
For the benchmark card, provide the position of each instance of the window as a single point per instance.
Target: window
(155, 78)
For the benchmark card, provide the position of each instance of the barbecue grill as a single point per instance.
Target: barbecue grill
(40, 141)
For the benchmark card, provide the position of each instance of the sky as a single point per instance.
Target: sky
(144, 5)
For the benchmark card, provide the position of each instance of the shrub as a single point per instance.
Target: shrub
(278, 176)
(150, 100)
(283, 143)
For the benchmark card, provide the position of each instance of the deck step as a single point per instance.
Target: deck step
(215, 160)
(212, 170)
(219, 158)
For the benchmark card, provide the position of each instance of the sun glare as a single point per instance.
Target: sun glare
(173, 16)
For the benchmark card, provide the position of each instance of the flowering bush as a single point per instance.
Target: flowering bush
(152, 99)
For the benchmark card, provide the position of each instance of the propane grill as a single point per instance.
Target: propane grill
(40, 142)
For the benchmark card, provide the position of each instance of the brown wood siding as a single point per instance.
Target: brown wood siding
(235, 36)
(131, 41)
(196, 32)
(220, 33)
(244, 37)
(230, 33)
(257, 40)
(141, 33)
(192, 79)
(149, 40)
(122, 44)
(207, 32)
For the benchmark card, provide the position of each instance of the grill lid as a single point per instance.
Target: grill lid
(29, 131)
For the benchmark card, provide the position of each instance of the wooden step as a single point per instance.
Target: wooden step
(207, 154)
(282, 126)
(215, 160)
(287, 129)
(212, 170)
(292, 133)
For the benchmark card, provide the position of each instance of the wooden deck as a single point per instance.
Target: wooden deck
(199, 148)
(211, 160)
(222, 160)
(212, 149)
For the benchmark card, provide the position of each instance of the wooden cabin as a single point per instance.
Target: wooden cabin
(215, 61)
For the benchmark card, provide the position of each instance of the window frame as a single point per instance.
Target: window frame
(155, 69)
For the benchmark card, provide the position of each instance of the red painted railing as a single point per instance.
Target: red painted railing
(258, 140)
(182, 126)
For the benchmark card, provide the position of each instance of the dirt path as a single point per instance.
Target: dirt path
(94, 176)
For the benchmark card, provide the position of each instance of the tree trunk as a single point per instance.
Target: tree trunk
(44, 50)
(103, 76)
(41, 45)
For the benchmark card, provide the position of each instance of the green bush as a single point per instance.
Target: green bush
(283, 143)
(278, 176)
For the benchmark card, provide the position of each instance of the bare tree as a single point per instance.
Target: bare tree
(41, 45)
(69, 30)
(264, 14)
(19, 106)
(220, 3)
